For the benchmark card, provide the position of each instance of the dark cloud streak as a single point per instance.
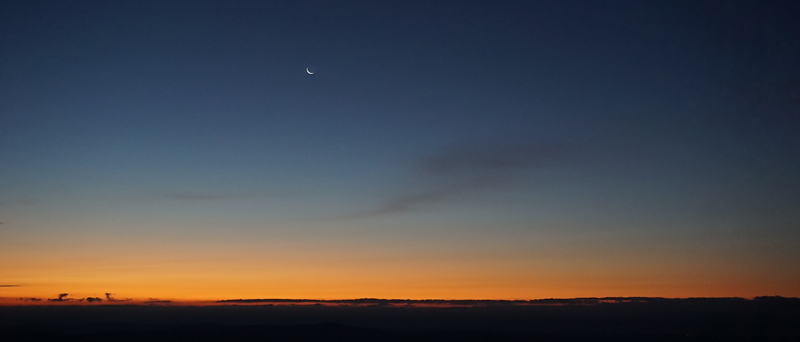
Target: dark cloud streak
(110, 298)
(489, 159)
(405, 203)
(190, 196)
(31, 299)
(463, 168)
(21, 201)
(62, 297)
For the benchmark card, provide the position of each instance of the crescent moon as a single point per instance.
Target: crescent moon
(309, 72)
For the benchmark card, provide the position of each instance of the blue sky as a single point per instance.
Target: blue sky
(506, 125)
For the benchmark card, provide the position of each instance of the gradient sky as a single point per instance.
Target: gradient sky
(442, 149)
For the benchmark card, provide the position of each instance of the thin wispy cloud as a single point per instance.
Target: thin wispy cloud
(191, 196)
(10, 285)
(405, 203)
(770, 105)
(412, 201)
(20, 201)
(201, 196)
(491, 158)
(784, 90)
(454, 171)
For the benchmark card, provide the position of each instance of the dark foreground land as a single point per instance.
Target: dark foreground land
(639, 319)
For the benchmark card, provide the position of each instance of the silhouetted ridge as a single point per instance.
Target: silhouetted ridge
(483, 302)
(370, 319)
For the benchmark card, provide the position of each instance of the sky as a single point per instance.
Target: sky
(449, 149)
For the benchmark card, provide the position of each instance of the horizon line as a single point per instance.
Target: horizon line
(433, 302)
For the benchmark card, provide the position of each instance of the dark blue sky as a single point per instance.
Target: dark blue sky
(618, 125)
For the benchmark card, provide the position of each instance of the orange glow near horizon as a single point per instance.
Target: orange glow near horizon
(244, 276)
(326, 268)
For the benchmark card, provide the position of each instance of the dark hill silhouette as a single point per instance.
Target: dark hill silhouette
(582, 319)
